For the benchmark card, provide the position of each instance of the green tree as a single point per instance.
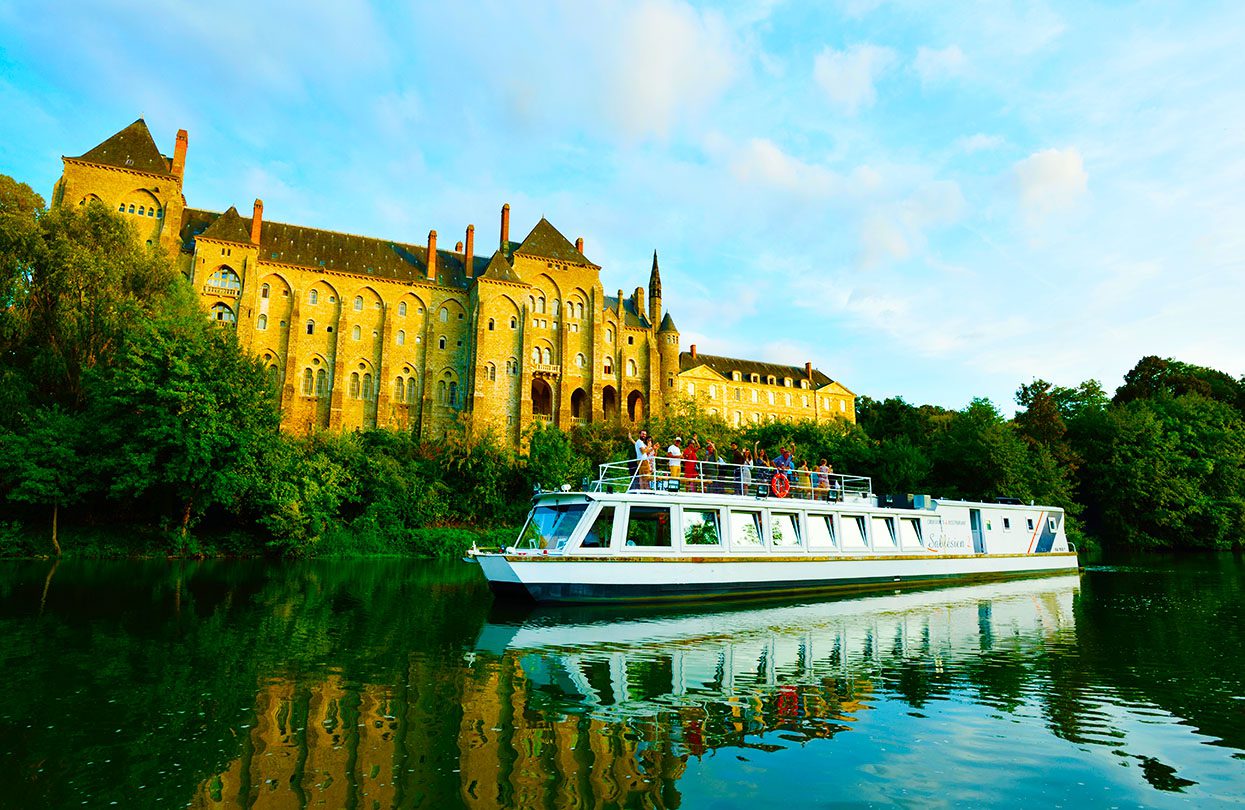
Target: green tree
(40, 463)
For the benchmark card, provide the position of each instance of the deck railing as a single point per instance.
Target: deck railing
(715, 478)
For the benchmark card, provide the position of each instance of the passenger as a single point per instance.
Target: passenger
(823, 481)
(709, 468)
(675, 453)
(804, 488)
(745, 473)
(640, 445)
(691, 472)
(737, 458)
(644, 463)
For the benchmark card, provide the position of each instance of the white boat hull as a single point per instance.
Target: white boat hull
(546, 579)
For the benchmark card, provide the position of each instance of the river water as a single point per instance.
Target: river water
(392, 683)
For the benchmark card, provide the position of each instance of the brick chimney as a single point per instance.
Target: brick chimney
(808, 371)
(471, 251)
(257, 220)
(620, 302)
(179, 154)
(505, 230)
(579, 245)
(639, 300)
(693, 351)
(432, 255)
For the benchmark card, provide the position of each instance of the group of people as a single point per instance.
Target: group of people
(699, 467)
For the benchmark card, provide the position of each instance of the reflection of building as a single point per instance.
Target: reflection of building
(362, 332)
(608, 714)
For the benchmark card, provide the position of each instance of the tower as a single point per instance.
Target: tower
(654, 292)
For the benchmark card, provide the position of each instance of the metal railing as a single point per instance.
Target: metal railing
(718, 478)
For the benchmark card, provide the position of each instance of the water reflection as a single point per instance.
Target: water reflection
(389, 684)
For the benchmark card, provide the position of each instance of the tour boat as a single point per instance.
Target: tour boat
(739, 532)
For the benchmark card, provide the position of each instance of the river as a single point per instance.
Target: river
(397, 683)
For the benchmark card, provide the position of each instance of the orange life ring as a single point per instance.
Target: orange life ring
(779, 485)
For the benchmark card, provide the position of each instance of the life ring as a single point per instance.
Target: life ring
(779, 485)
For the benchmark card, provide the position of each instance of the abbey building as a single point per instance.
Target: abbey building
(360, 332)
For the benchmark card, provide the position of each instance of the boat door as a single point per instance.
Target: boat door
(974, 523)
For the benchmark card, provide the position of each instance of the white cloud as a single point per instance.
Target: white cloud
(670, 62)
(979, 142)
(762, 162)
(939, 65)
(848, 77)
(1050, 181)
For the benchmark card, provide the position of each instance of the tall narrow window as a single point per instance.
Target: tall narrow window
(410, 390)
(263, 322)
(368, 391)
(399, 390)
(264, 290)
(441, 342)
(453, 393)
(631, 368)
(401, 337)
(307, 382)
(490, 324)
(354, 385)
(356, 333)
(547, 356)
(358, 303)
(322, 383)
(402, 308)
(444, 314)
(313, 297)
(311, 327)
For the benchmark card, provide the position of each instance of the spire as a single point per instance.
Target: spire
(654, 292)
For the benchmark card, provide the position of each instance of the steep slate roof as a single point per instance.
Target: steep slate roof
(341, 252)
(667, 324)
(725, 365)
(131, 148)
(630, 316)
(229, 227)
(500, 270)
(546, 242)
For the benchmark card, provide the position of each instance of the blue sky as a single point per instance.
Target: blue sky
(931, 200)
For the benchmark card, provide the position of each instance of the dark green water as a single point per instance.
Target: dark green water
(376, 684)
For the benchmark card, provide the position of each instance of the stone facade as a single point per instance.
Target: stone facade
(360, 332)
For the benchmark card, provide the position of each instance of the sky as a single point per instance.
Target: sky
(930, 200)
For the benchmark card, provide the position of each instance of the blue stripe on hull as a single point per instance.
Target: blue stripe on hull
(581, 593)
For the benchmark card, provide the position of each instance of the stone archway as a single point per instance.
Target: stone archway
(542, 399)
(609, 403)
(635, 406)
(579, 404)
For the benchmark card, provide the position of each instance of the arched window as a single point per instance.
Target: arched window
(221, 313)
(441, 391)
(142, 209)
(609, 335)
(453, 393)
(307, 382)
(512, 367)
(263, 321)
(631, 368)
(131, 208)
(490, 372)
(322, 383)
(514, 323)
(399, 390)
(401, 337)
(313, 297)
(580, 360)
(769, 380)
(410, 390)
(368, 391)
(121, 208)
(311, 327)
(553, 307)
(357, 332)
(547, 356)
(264, 290)
(490, 324)
(609, 366)
(358, 303)
(354, 385)
(441, 342)
(402, 308)
(226, 279)
(444, 314)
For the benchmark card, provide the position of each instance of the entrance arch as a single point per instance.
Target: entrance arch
(579, 404)
(542, 399)
(635, 406)
(609, 402)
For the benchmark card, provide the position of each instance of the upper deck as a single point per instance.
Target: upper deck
(719, 478)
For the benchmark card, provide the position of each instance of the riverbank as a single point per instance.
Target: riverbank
(122, 543)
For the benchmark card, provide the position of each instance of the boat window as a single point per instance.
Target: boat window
(1029, 523)
(701, 528)
(883, 532)
(820, 530)
(602, 530)
(910, 533)
(549, 527)
(1051, 523)
(745, 529)
(649, 527)
(854, 532)
(784, 529)
(1007, 523)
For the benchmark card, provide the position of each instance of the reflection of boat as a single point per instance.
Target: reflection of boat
(723, 535)
(813, 663)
